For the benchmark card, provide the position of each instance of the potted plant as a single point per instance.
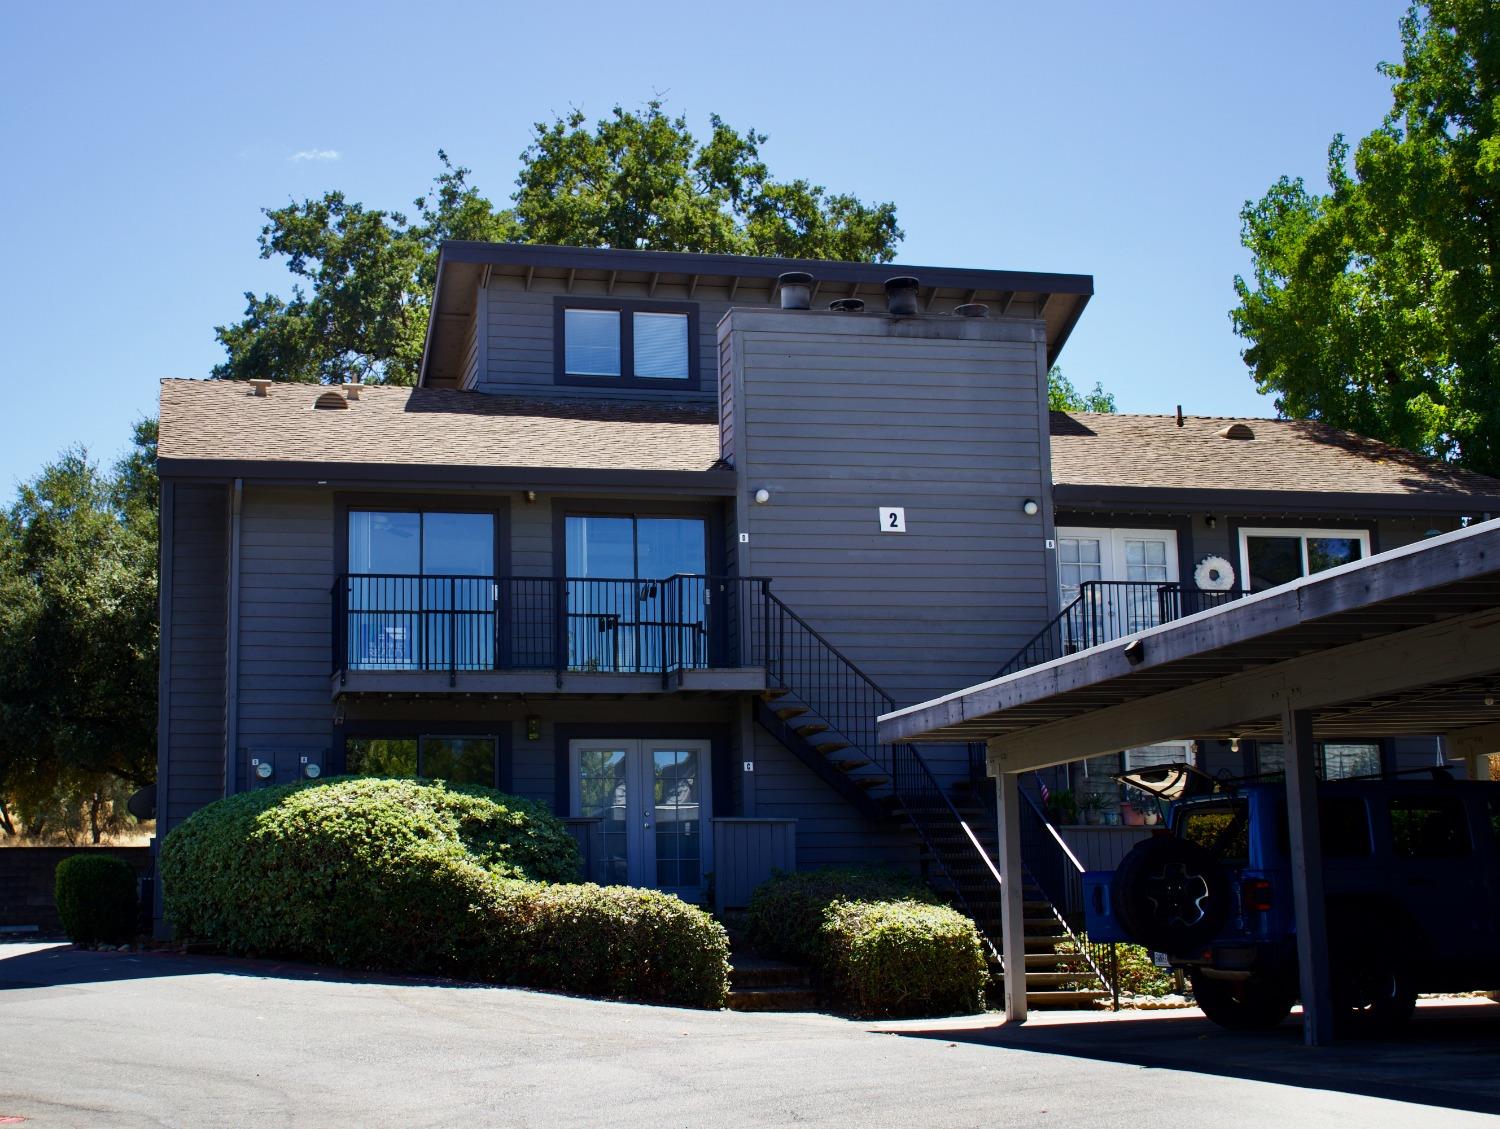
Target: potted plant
(1091, 806)
(1062, 807)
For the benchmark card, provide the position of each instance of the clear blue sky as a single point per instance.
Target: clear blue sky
(1112, 139)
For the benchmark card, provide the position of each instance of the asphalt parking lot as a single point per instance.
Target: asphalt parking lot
(137, 1039)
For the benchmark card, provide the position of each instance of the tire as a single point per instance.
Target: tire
(1256, 1004)
(1371, 958)
(1170, 895)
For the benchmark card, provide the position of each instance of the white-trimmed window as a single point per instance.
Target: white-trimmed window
(1269, 557)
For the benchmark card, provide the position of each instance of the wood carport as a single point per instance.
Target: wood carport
(1405, 642)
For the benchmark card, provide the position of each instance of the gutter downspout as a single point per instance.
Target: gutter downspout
(232, 648)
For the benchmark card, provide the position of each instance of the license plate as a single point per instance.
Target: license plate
(1161, 960)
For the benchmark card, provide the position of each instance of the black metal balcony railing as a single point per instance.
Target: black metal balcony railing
(1112, 609)
(561, 624)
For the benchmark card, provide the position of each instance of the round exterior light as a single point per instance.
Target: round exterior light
(264, 770)
(1029, 507)
(311, 771)
(762, 496)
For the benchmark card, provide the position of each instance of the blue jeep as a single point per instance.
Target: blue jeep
(1411, 872)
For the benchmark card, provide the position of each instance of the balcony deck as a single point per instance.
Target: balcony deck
(715, 681)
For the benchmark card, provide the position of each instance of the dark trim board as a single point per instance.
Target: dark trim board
(354, 475)
(1152, 499)
(718, 734)
(744, 266)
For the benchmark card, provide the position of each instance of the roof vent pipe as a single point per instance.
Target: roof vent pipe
(796, 290)
(262, 388)
(972, 310)
(847, 305)
(901, 295)
(352, 389)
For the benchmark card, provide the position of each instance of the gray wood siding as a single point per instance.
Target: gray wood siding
(286, 607)
(839, 415)
(197, 699)
(746, 852)
(829, 831)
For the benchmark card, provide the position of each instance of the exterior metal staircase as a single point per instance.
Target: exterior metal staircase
(823, 709)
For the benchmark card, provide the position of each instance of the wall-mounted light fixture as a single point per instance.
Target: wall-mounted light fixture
(762, 496)
(1210, 521)
(1029, 507)
(533, 727)
(530, 496)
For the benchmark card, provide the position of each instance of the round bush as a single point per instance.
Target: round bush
(904, 958)
(786, 913)
(96, 899)
(421, 876)
(879, 942)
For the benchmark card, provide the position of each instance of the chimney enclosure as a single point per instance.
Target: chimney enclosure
(796, 290)
(901, 296)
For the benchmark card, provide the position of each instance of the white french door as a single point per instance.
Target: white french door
(1146, 557)
(652, 797)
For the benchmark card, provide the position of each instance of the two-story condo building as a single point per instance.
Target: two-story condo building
(657, 536)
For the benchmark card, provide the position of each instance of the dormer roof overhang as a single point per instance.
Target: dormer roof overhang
(464, 265)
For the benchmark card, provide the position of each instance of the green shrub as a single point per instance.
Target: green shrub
(421, 876)
(1138, 975)
(607, 941)
(96, 899)
(879, 942)
(786, 913)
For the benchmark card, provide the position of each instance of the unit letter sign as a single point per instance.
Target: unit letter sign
(892, 519)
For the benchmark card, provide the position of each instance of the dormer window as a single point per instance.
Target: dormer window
(626, 343)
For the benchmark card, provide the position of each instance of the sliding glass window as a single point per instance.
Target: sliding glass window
(421, 590)
(636, 592)
(459, 760)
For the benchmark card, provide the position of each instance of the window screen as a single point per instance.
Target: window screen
(591, 342)
(661, 346)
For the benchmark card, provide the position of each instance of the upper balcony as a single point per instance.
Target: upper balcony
(408, 635)
(1105, 610)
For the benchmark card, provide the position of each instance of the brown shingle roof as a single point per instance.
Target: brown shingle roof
(224, 420)
(1299, 456)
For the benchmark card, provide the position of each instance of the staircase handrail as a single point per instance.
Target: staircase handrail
(1094, 954)
(771, 597)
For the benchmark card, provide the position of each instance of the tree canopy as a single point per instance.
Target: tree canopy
(364, 276)
(1063, 397)
(1375, 306)
(78, 634)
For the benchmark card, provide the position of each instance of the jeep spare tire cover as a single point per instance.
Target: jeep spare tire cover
(1170, 895)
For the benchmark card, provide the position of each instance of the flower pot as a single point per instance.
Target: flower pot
(1112, 818)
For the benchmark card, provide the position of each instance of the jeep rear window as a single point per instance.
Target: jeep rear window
(1223, 829)
(1428, 827)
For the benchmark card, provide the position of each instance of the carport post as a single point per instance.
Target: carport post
(1307, 876)
(1012, 907)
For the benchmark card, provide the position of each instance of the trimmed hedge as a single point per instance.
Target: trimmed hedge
(422, 876)
(96, 899)
(880, 942)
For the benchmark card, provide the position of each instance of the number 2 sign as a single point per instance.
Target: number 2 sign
(892, 519)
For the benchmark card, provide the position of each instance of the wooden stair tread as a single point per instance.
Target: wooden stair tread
(786, 713)
(812, 729)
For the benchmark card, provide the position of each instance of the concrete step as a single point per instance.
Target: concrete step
(1060, 999)
(759, 972)
(773, 999)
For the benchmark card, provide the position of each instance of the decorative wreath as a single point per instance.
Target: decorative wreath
(1214, 574)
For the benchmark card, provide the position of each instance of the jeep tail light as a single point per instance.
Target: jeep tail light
(1255, 894)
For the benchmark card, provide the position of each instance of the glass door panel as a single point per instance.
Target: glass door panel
(679, 824)
(602, 792)
(621, 616)
(651, 799)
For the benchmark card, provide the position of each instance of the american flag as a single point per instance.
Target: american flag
(1046, 792)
